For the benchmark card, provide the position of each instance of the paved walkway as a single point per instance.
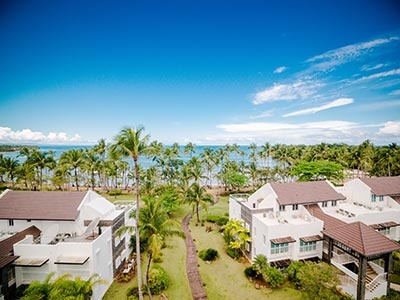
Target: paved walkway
(395, 286)
(192, 270)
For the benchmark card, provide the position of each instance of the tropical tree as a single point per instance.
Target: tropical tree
(236, 235)
(73, 160)
(190, 149)
(92, 165)
(9, 167)
(197, 196)
(131, 142)
(318, 170)
(156, 226)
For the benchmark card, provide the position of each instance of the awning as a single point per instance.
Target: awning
(30, 262)
(281, 263)
(71, 260)
(6, 260)
(384, 225)
(283, 240)
(312, 238)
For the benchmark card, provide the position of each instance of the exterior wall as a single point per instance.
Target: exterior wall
(234, 209)
(262, 234)
(63, 226)
(264, 197)
(99, 262)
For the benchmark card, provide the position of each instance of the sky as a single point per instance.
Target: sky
(207, 72)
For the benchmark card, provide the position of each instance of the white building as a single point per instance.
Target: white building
(77, 235)
(295, 221)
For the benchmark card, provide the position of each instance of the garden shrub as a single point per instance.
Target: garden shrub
(222, 221)
(213, 218)
(115, 192)
(251, 272)
(208, 254)
(234, 253)
(132, 293)
(275, 277)
(158, 280)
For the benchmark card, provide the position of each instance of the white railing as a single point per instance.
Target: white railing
(381, 278)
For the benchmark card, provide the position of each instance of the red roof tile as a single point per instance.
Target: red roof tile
(362, 239)
(6, 245)
(382, 186)
(62, 206)
(305, 192)
(329, 221)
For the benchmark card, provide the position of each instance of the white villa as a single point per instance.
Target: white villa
(60, 232)
(352, 227)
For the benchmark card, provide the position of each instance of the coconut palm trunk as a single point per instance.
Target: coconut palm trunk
(138, 260)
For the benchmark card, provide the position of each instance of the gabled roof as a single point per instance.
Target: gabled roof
(305, 192)
(329, 221)
(362, 239)
(6, 245)
(60, 206)
(383, 186)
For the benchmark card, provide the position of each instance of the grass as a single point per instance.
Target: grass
(224, 278)
(173, 261)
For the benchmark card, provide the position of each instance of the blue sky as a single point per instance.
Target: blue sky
(209, 72)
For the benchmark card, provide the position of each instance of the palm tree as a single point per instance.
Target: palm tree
(197, 196)
(190, 148)
(156, 226)
(9, 167)
(130, 142)
(92, 165)
(73, 159)
(208, 158)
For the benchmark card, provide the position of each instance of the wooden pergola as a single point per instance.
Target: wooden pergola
(365, 244)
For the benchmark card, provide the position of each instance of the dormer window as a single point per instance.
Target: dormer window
(334, 202)
(10, 222)
(324, 204)
(281, 207)
(295, 207)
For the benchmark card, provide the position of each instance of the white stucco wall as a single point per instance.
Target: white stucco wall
(99, 262)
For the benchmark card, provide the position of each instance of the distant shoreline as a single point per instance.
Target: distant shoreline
(15, 148)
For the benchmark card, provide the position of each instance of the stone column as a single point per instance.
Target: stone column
(387, 268)
(330, 249)
(362, 269)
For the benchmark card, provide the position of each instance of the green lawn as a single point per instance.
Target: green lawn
(224, 278)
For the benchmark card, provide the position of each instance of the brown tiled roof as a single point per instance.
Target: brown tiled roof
(281, 263)
(305, 192)
(6, 245)
(62, 206)
(312, 238)
(362, 239)
(329, 221)
(283, 240)
(382, 186)
(6, 260)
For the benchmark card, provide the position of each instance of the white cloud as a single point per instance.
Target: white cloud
(7, 135)
(342, 55)
(391, 128)
(370, 68)
(280, 70)
(262, 115)
(298, 90)
(313, 110)
(395, 93)
(378, 75)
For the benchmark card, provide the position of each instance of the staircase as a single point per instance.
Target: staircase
(369, 278)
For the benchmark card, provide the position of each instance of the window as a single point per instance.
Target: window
(373, 198)
(281, 207)
(334, 202)
(295, 207)
(279, 248)
(29, 221)
(324, 204)
(307, 247)
(380, 198)
(384, 230)
(254, 205)
(10, 222)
